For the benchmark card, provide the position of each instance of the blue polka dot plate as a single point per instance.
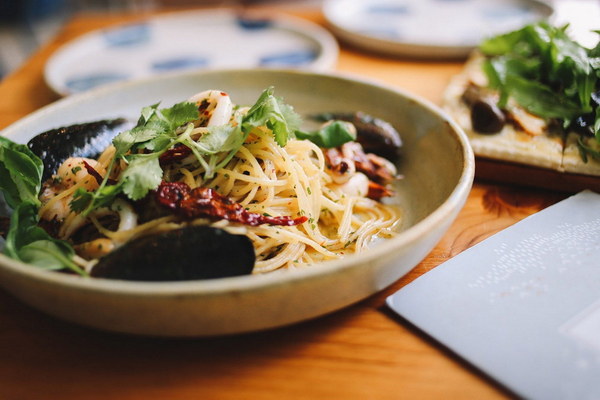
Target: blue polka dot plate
(427, 28)
(186, 41)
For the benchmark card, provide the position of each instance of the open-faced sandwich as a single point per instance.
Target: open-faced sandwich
(531, 97)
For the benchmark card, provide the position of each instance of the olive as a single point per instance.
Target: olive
(486, 117)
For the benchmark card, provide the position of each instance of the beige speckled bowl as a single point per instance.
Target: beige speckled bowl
(437, 163)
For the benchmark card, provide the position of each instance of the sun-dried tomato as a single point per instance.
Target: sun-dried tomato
(170, 194)
(377, 191)
(208, 203)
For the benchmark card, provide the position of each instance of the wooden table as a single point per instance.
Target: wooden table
(361, 352)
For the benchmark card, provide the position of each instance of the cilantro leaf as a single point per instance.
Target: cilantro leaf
(85, 202)
(141, 175)
(274, 114)
(180, 114)
(219, 138)
(331, 135)
(155, 129)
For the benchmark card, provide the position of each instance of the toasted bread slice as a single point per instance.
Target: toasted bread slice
(510, 144)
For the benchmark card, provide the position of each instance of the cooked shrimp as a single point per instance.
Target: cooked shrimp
(215, 107)
(71, 175)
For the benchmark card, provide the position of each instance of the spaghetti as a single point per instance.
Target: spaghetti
(308, 207)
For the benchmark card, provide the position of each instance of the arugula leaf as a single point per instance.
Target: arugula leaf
(273, 113)
(544, 71)
(20, 173)
(540, 100)
(331, 135)
(29, 243)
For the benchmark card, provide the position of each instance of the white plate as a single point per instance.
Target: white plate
(189, 40)
(437, 164)
(428, 28)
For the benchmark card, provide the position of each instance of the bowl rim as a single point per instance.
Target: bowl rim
(259, 281)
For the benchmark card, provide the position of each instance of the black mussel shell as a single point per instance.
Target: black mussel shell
(193, 252)
(374, 134)
(81, 140)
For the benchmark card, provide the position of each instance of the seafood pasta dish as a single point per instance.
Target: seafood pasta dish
(202, 189)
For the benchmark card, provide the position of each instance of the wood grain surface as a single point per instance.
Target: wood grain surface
(361, 352)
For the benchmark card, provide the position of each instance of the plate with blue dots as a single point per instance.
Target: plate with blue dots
(173, 42)
(428, 28)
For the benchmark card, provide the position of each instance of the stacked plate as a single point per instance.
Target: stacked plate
(428, 28)
(189, 40)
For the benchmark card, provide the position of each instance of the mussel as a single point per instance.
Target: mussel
(375, 135)
(80, 140)
(193, 252)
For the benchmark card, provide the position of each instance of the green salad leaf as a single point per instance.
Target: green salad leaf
(20, 182)
(20, 173)
(541, 60)
(546, 72)
(29, 243)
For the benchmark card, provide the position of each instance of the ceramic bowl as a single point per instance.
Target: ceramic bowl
(437, 164)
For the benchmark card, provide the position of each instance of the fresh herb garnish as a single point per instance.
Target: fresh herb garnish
(29, 243)
(273, 113)
(545, 72)
(158, 130)
(330, 135)
(20, 173)
(141, 148)
(20, 182)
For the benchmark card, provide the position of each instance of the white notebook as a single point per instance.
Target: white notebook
(523, 305)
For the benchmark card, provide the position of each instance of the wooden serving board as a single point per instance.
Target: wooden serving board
(529, 176)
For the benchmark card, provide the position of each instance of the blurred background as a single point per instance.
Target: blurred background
(25, 25)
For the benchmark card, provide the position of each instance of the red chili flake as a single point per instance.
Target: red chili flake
(175, 154)
(206, 202)
(99, 178)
